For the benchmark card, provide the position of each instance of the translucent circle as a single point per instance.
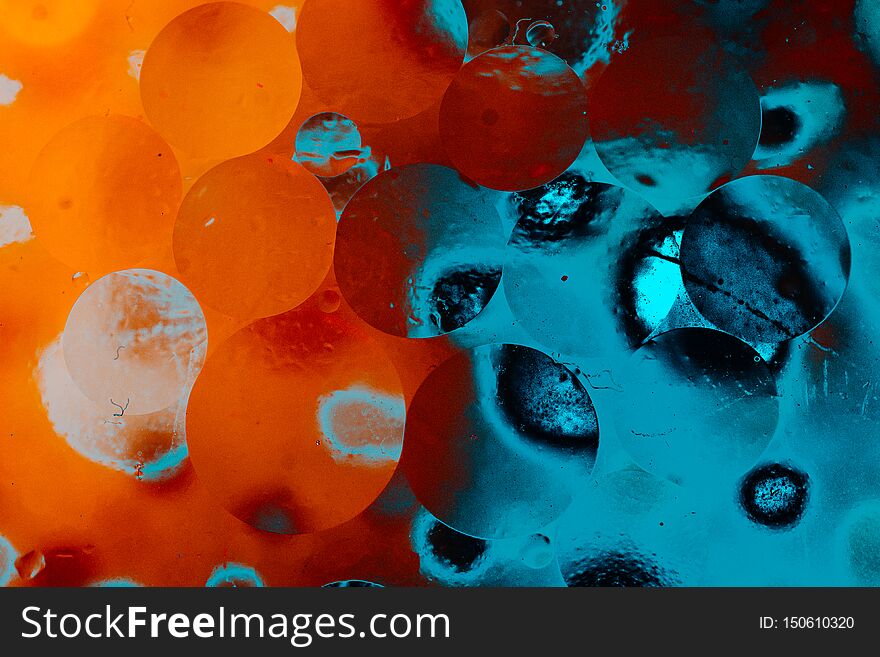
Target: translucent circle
(329, 301)
(696, 406)
(328, 144)
(537, 552)
(674, 118)
(103, 192)
(8, 555)
(234, 575)
(486, 31)
(765, 258)
(496, 440)
(419, 251)
(450, 558)
(859, 539)
(149, 447)
(630, 529)
(540, 34)
(254, 236)
(380, 60)
(220, 80)
(496, 105)
(45, 23)
(296, 422)
(133, 339)
(591, 269)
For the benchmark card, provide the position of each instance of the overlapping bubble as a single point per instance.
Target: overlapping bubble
(641, 361)
(419, 251)
(497, 439)
(296, 422)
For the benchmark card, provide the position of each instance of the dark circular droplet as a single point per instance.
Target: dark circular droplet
(460, 295)
(775, 495)
(545, 401)
(619, 569)
(460, 551)
(779, 126)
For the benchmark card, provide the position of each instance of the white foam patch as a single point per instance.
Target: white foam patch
(9, 89)
(286, 16)
(14, 225)
(135, 61)
(148, 446)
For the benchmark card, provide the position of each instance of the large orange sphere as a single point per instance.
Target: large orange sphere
(221, 80)
(296, 422)
(103, 193)
(254, 236)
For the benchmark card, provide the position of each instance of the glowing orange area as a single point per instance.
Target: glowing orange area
(103, 193)
(254, 236)
(45, 22)
(221, 80)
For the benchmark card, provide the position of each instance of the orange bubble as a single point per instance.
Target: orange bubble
(45, 22)
(103, 192)
(296, 422)
(254, 236)
(381, 60)
(221, 80)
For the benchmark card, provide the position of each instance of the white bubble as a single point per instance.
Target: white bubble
(133, 340)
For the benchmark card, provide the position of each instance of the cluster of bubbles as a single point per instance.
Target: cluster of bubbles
(640, 321)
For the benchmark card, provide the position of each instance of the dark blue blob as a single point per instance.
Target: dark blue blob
(460, 295)
(779, 126)
(460, 551)
(544, 400)
(775, 495)
(566, 208)
(619, 569)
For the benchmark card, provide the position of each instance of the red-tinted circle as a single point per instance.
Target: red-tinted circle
(514, 118)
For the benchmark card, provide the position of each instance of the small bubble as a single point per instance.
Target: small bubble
(540, 33)
(329, 301)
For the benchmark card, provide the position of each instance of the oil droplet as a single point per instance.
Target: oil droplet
(540, 34)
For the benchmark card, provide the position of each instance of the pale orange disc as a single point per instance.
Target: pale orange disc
(103, 193)
(254, 236)
(220, 80)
